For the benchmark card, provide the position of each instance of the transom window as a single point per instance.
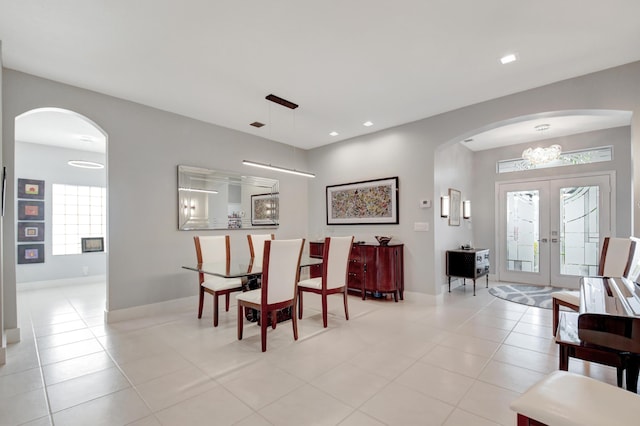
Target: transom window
(78, 211)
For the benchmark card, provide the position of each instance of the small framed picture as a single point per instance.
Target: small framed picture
(30, 253)
(30, 231)
(265, 209)
(31, 189)
(30, 210)
(92, 244)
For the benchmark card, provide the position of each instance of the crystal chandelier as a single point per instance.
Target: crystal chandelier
(541, 155)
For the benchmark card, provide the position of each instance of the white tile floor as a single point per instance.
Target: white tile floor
(457, 362)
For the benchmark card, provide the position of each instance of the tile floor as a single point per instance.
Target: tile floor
(456, 361)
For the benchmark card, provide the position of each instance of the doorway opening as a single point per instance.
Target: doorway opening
(60, 156)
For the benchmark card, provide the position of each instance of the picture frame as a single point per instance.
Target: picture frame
(31, 189)
(455, 203)
(30, 231)
(30, 253)
(265, 209)
(92, 244)
(369, 202)
(30, 210)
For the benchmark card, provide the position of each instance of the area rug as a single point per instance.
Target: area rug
(531, 295)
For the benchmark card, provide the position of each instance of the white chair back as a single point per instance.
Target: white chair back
(257, 242)
(338, 261)
(282, 267)
(616, 256)
(213, 248)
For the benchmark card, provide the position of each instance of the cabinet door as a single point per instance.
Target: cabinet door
(356, 269)
(315, 250)
(370, 261)
(387, 269)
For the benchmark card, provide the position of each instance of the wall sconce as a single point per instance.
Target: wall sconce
(466, 209)
(444, 206)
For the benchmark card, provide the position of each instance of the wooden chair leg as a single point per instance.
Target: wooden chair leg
(556, 314)
(240, 320)
(274, 319)
(300, 304)
(226, 304)
(263, 330)
(324, 310)
(294, 322)
(201, 302)
(346, 305)
(215, 309)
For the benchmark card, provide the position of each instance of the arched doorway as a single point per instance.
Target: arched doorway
(61, 176)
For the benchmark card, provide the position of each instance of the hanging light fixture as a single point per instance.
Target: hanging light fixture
(287, 104)
(277, 168)
(540, 155)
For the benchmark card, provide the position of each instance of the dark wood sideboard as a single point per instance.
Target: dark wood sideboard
(373, 268)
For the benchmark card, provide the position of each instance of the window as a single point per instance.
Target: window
(78, 211)
(571, 158)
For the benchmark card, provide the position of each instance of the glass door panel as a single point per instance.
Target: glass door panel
(523, 230)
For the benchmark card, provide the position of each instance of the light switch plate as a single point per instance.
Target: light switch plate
(421, 226)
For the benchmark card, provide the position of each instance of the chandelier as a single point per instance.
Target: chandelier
(541, 155)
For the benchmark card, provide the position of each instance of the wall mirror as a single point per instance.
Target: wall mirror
(216, 199)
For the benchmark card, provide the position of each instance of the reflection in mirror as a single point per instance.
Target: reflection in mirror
(216, 199)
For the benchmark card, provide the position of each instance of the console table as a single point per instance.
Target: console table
(468, 263)
(373, 268)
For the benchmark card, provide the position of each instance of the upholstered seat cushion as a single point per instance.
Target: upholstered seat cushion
(218, 283)
(253, 296)
(311, 283)
(568, 399)
(572, 297)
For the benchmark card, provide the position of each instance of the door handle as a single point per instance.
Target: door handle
(544, 240)
(554, 240)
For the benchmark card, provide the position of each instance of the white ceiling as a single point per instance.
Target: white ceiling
(343, 62)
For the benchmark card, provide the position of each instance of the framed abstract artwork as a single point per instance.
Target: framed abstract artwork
(30, 231)
(454, 207)
(368, 202)
(30, 253)
(265, 209)
(92, 244)
(30, 210)
(31, 189)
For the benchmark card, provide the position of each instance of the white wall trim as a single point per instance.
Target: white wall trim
(39, 285)
(12, 335)
(167, 307)
(3, 355)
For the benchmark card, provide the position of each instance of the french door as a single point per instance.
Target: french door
(550, 231)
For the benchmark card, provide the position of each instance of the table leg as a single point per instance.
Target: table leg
(449, 283)
(474, 286)
(563, 358)
(487, 280)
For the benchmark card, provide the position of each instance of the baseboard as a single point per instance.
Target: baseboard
(3, 355)
(12, 335)
(135, 312)
(39, 285)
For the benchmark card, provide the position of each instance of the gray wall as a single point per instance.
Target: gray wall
(2, 310)
(409, 151)
(34, 161)
(145, 145)
(484, 200)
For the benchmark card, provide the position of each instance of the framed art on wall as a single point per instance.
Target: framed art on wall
(92, 244)
(31, 189)
(368, 202)
(30, 253)
(454, 207)
(265, 209)
(30, 210)
(30, 231)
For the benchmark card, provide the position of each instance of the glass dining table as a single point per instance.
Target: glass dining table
(250, 273)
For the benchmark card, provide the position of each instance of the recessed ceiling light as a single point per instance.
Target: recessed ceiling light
(85, 164)
(333, 134)
(86, 138)
(507, 59)
(256, 124)
(468, 140)
(542, 127)
(367, 124)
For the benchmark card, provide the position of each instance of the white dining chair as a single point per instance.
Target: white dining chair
(214, 249)
(280, 274)
(334, 278)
